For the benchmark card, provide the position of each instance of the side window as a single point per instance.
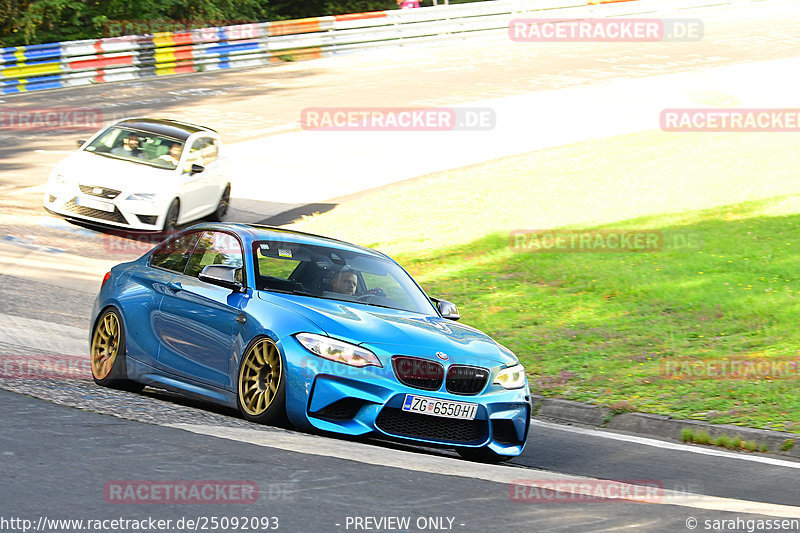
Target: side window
(209, 151)
(204, 151)
(195, 156)
(174, 253)
(215, 248)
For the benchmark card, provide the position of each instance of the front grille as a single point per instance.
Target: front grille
(466, 379)
(116, 216)
(344, 409)
(101, 192)
(418, 373)
(398, 422)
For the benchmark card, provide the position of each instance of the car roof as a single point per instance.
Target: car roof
(163, 126)
(260, 232)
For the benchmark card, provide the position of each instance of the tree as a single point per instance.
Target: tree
(39, 21)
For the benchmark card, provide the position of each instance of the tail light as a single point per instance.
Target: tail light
(105, 278)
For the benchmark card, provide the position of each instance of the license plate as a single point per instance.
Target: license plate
(436, 407)
(94, 204)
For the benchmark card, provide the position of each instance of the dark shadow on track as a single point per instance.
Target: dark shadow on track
(292, 215)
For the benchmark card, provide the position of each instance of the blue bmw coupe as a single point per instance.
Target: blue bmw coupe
(329, 335)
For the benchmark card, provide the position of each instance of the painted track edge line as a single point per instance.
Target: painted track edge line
(646, 441)
(369, 454)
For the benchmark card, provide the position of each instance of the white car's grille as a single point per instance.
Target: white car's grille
(80, 210)
(102, 192)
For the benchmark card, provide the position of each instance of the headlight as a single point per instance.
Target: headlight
(336, 350)
(58, 178)
(512, 377)
(142, 196)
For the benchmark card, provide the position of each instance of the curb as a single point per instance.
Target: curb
(570, 412)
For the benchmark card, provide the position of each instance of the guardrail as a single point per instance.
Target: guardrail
(75, 63)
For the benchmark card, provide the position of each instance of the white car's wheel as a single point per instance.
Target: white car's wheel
(171, 220)
(222, 206)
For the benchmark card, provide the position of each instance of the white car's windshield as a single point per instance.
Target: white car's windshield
(138, 147)
(337, 274)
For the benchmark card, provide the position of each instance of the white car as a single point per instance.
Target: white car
(138, 174)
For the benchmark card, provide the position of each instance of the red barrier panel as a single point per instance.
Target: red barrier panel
(359, 16)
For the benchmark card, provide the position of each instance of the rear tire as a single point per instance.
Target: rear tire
(107, 353)
(222, 206)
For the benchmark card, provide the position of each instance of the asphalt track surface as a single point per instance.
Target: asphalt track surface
(61, 447)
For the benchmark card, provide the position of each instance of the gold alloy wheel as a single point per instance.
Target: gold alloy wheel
(105, 345)
(259, 377)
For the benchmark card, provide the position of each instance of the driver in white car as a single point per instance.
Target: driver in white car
(130, 147)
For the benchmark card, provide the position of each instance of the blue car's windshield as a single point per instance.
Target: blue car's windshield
(337, 274)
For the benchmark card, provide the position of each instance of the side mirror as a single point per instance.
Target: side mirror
(448, 310)
(80, 143)
(222, 276)
(197, 169)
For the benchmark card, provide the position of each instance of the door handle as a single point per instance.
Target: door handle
(174, 286)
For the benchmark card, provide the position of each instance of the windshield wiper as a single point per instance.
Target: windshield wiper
(379, 305)
(300, 292)
(110, 156)
(357, 301)
(136, 160)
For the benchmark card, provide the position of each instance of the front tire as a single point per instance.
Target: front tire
(262, 383)
(107, 354)
(171, 219)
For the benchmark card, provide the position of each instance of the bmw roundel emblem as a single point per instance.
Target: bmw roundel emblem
(443, 356)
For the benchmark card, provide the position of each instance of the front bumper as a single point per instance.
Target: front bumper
(353, 401)
(144, 216)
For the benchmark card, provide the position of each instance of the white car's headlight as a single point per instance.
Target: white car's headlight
(58, 178)
(142, 197)
(336, 350)
(512, 377)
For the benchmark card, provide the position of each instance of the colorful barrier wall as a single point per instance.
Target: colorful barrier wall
(75, 63)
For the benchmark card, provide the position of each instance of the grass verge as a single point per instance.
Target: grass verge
(608, 328)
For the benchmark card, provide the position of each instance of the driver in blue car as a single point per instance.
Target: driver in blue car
(345, 281)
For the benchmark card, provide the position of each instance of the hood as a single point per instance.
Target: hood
(397, 332)
(91, 169)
